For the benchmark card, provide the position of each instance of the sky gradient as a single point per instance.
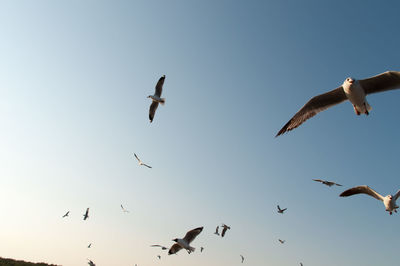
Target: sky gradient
(73, 109)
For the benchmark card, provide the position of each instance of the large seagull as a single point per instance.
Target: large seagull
(185, 242)
(389, 201)
(156, 98)
(352, 90)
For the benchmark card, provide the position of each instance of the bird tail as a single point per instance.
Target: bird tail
(369, 108)
(162, 101)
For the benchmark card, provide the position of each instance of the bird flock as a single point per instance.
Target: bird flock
(352, 89)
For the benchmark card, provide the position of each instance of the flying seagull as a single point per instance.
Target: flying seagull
(140, 161)
(328, 183)
(159, 257)
(216, 231)
(389, 201)
(281, 210)
(352, 90)
(185, 242)
(123, 209)
(90, 245)
(65, 215)
(156, 98)
(91, 263)
(86, 215)
(242, 258)
(162, 247)
(225, 227)
(282, 241)
(301, 264)
(201, 249)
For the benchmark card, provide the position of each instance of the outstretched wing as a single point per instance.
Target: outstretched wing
(152, 111)
(388, 80)
(159, 86)
(148, 166)
(174, 249)
(396, 196)
(314, 106)
(362, 190)
(191, 235)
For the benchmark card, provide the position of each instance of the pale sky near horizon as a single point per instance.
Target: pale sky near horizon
(74, 77)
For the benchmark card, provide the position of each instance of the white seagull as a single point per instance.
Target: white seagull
(352, 90)
(86, 215)
(242, 258)
(389, 201)
(156, 98)
(216, 231)
(123, 209)
(225, 227)
(281, 210)
(140, 161)
(328, 183)
(185, 242)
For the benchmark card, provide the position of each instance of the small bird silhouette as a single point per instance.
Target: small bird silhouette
(65, 215)
(281, 210)
(86, 215)
(225, 227)
(216, 231)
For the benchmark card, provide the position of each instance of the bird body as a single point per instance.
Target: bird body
(282, 241)
(86, 215)
(281, 210)
(242, 258)
(216, 231)
(356, 95)
(224, 229)
(389, 201)
(328, 183)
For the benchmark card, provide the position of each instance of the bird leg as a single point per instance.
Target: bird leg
(366, 110)
(355, 110)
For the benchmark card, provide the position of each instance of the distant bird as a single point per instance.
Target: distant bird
(201, 249)
(242, 258)
(281, 210)
(65, 215)
(90, 245)
(328, 183)
(389, 201)
(352, 90)
(91, 263)
(140, 162)
(86, 215)
(225, 227)
(216, 231)
(282, 241)
(162, 247)
(301, 264)
(185, 242)
(123, 209)
(159, 257)
(156, 98)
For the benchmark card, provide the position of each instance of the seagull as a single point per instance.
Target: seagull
(140, 162)
(201, 249)
(156, 98)
(159, 257)
(389, 201)
(162, 247)
(282, 241)
(328, 183)
(65, 215)
(185, 242)
(242, 258)
(281, 210)
(352, 90)
(301, 264)
(89, 245)
(86, 215)
(123, 209)
(91, 263)
(216, 231)
(225, 227)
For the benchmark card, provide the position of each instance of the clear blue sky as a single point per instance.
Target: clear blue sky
(74, 77)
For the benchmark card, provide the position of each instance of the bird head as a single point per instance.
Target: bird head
(175, 240)
(390, 197)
